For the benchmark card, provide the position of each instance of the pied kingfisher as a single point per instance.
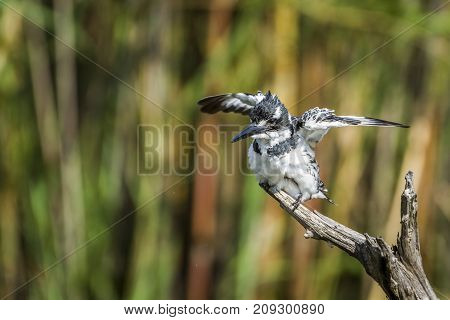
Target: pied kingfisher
(282, 154)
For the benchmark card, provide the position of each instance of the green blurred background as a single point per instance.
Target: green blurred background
(69, 151)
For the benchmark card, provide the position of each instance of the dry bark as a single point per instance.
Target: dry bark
(397, 269)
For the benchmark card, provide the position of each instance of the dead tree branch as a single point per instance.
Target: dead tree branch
(397, 269)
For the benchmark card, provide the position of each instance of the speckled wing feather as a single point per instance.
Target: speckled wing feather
(316, 122)
(231, 102)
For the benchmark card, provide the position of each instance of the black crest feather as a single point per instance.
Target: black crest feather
(266, 110)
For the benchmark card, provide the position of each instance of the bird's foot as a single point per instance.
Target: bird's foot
(297, 202)
(266, 186)
(263, 184)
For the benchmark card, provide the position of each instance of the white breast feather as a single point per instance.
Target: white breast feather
(291, 172)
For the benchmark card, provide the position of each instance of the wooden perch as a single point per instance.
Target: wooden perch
(397, 269)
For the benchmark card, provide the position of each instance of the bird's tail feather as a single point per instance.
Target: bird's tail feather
(324, 195)
(330, 200)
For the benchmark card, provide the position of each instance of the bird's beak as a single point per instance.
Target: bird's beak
(249, 131)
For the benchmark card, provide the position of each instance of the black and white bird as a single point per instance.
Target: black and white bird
(282, 154)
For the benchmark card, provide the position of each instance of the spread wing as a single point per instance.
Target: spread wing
(231, 102)
(316, 122)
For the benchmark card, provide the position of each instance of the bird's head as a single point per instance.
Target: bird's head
(269, 120)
